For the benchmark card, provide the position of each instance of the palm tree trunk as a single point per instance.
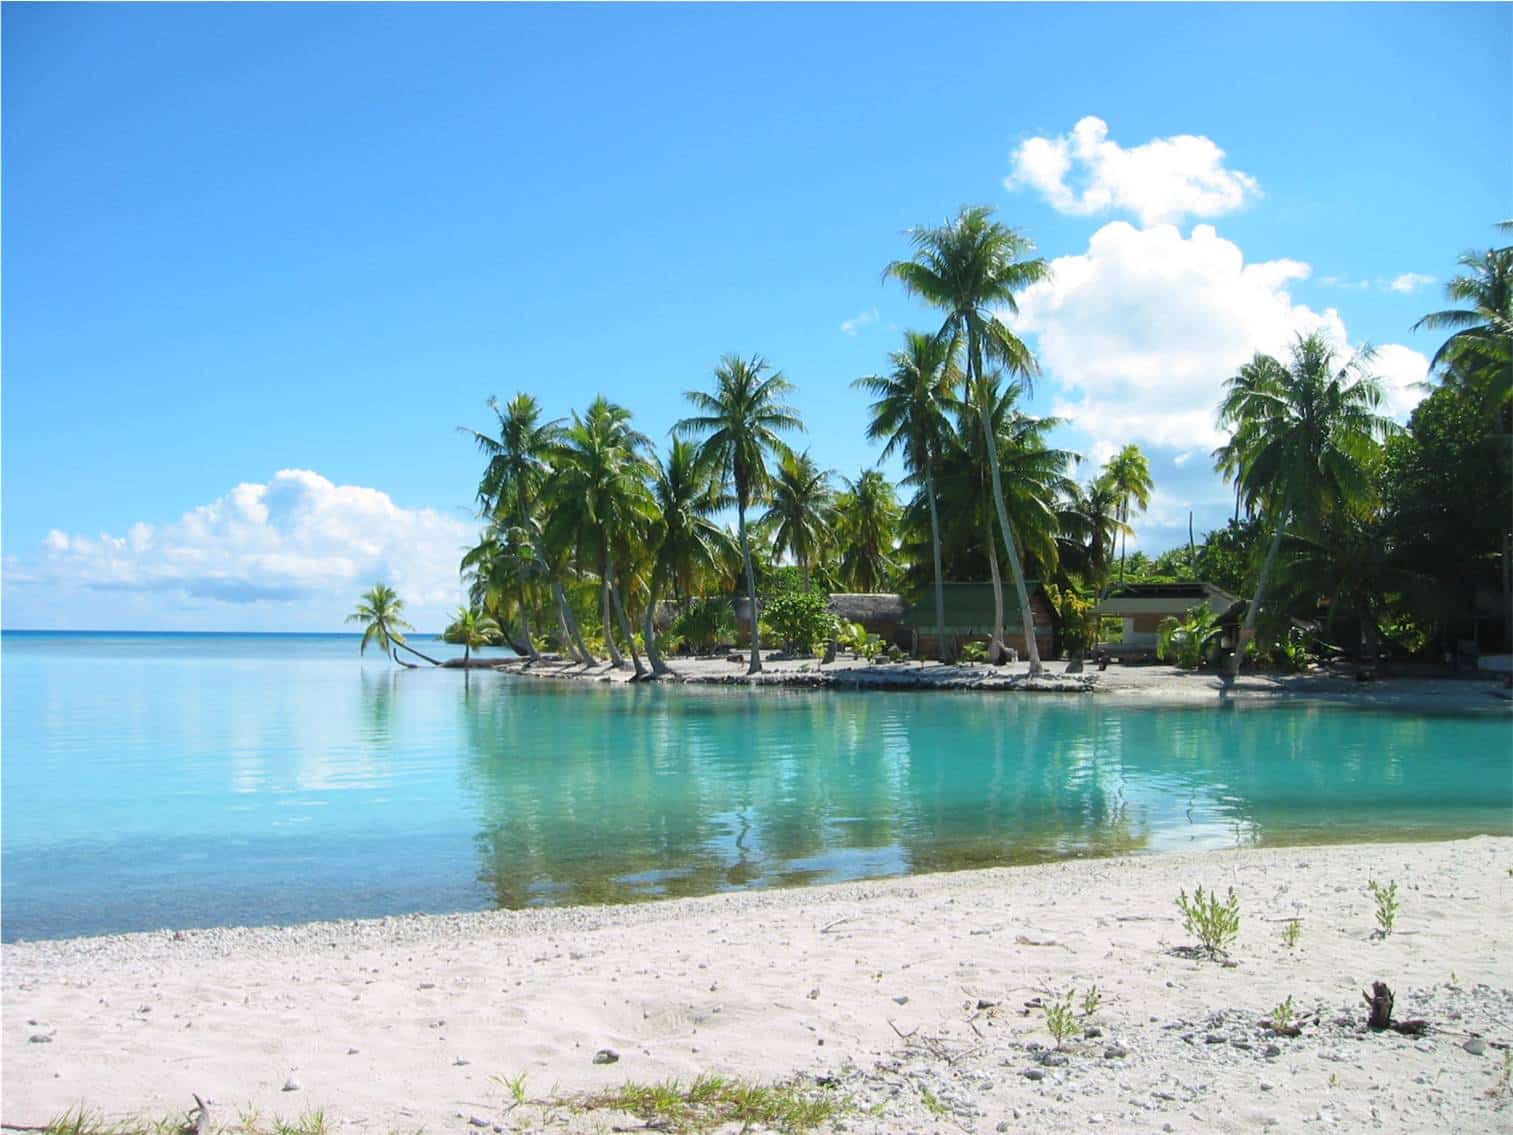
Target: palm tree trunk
(995, 647)
(467, 653)
(940, 588)
(630, 638)
(654, 656)
(525, 626)
(1032, 651)
(571, 634)
(1123, 535)
(1248, 630)
(616, 659)
(755, 667)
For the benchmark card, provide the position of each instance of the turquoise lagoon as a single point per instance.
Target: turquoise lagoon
(194, 780)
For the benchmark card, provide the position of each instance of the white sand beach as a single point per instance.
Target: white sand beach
(908, 997)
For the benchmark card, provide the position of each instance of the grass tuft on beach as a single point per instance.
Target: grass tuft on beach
(712, 1101)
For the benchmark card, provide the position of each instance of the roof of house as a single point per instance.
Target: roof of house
(861, 607)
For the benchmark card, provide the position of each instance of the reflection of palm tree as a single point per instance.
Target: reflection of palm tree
(378, 703)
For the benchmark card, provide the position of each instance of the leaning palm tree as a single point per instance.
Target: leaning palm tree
(471, 628)
(1129, 475)
(740, 423)
(600, 503)
(1480, 352)
(910, 416)
(802, 512)
(518, 463)
(379, 611)
(869, 514)
(1304, 436)
(689, 544)
(969, 266)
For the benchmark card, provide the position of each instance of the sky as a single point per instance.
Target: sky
(261, 262)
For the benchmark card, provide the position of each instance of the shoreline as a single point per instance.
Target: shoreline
(1128, 684)
(403, 1022)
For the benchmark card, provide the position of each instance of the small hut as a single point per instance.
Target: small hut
(881, 614)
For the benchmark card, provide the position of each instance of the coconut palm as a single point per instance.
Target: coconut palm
(740, 423)
(1480, 352)
(1303, 437)
(471, 628)
(868, 513)
(1129, 475)
(379, 611)
(802, 512)
(689, 544)
(600, 503)
(969, 267)
(1090, 528)
(910, 415)
(519, 462)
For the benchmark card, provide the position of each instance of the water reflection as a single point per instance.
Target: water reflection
(592, 795)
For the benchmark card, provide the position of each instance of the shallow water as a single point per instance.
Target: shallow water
(196, 780)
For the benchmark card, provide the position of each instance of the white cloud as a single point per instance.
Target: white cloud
(1142, 330)
(1165, 179)
(857, 322)
(1409, 282)
(299, 537)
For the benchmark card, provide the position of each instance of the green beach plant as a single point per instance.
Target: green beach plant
(799, 617)
(1214, 923)
(1190, 641)
(1060, 1018)
(1386, 905)
(706, 624)
(1284, 1016)
(1291, 933)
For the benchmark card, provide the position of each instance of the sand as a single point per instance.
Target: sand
(908, 996)
(1147, 684)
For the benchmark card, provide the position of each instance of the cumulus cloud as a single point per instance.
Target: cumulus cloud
(1141, 331)
(1409, 282)
(1085, 173)
(857, 322)
(296, 537)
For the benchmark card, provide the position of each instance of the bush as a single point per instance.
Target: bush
(1213, 923)
(799, 618)
(974, 652)
(1190, 641)
(706, 624)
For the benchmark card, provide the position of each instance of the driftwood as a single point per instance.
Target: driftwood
(1380, 1000)
(201, 1117)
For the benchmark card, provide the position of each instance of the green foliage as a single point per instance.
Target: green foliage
(1284, 1016)
(1079, 626)
(974, 652)
(713, 1101)
(799, 617)
(1295, 650)
(1059, 1017)
(706, 624)
(1091, 1000)
(1212, 922)
(1291, 933)
(1386, 904)
(1191, 641)
(1227, 556)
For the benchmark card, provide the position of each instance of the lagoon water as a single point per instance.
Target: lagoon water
(155, 780)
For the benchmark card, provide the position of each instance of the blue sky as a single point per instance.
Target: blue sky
(261, 261)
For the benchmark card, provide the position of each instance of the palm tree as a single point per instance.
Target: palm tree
(1480, 352)
(869, 515)
(802, 512)
(688, 543)
(1090, 528)
(379, 610)
(1129, 475)
(1304, 435)
(969, 266)
(740, 423)
(519, 462)
(471, 628)
(910, 415)
(600, 503)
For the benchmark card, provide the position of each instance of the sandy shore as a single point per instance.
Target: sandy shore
(907, 996)
(1143, 683)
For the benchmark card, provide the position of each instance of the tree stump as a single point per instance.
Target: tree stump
(1380, 1000)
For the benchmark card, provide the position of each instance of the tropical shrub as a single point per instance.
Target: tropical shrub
(799, 617)
(974, 652)
(1190, 641)
(705, 624)
(1079, 626)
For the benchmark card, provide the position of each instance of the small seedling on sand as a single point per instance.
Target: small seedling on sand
(1291, 933)
(1284, 1016)
(1091, 1000)
(1213, 923)
(931, 1102)
(516, 1086)
(1386, 904)
(1504, 1086)
(1059, 1017)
